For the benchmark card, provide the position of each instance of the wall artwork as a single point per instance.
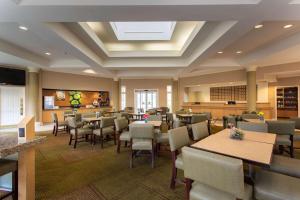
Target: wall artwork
(60, 96)
(104, 99)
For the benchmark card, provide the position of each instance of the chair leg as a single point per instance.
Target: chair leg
(174, 171)
(115, 138)
(152, 158)
(15, 185)
(126, 143)
(53, 130)
(56, 131)
(188, 185)
(131, 158)
(75, 144)
(101, 138)
(119, 145)
(71, 137)
(292, 151)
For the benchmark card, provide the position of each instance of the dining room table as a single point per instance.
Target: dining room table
(156, 124)
(255, 147)
(136, 116)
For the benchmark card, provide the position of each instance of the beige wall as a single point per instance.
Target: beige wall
(160, 84)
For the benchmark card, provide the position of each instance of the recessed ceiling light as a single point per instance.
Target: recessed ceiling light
(288, 26)
(89, 71)
(220, 52)
(259, 26)
(239, 52)
(48, 54)
(24, 28)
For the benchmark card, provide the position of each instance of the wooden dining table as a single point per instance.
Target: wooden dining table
(156, 124)
(255, 148)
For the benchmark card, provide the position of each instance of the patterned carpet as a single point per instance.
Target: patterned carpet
(89, 172)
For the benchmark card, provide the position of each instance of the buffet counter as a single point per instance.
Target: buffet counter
(46, 114)
(219, 110)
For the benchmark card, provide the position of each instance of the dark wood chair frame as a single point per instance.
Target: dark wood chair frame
(77, 139)
(101, 137)
(136, 153)
(57, 128)
(291, 147)
(118, 138)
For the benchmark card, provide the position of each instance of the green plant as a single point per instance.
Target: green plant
(75, 99)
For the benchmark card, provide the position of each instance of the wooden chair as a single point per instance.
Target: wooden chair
(77, 132)
(178, 138)
(122, 128)
(141, 140)
(58, 126)
(200, 131)
(214, 176)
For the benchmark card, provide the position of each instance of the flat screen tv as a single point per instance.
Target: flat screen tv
(10, 76)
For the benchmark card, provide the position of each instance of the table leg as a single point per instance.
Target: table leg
(26, 174)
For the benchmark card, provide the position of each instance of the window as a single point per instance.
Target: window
(169, 97)
(123, 97)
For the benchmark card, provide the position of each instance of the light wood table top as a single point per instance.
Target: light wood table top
(253, 148)
(154, 123)
(91, 119)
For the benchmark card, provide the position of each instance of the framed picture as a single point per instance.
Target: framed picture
(103, 99)
(60, 96)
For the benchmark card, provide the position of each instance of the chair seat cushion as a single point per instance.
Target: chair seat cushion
(142, 144)
(200, 191)
(105, 131)
(162, 138)
(283, 140)
(179, 162)
(65, 123)
(82, 131)
(286, 165)
(274, 186)
(125, 136)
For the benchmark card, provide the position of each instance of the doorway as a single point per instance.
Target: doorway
(145, 99)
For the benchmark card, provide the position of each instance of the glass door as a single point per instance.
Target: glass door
(145, 100)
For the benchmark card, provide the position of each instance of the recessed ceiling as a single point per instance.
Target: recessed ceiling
(143, 30)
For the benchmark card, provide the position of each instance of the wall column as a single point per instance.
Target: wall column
(251, 89)
(175, 95)
(32, 93)
(115, 94)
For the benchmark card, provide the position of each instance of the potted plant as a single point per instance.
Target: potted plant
(261, 115)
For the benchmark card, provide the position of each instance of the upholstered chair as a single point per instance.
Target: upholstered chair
(229, 120)
(200, 131)
(285, 165)
(129, 109)
(88, 115)
(285, 132)
(141, 139)
(77, 132)
(58, 126)
(215, 176)
(155, 118)
(249, 116)
(196, 118)
(297, 126)
(178, 138)
(10, 166)
(270, 186)
(170, 119)
(107, 128)
(122, 130)
(178, 123)
(126, 116)
(251, 126)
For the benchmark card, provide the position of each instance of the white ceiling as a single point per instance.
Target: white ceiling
(144, 40)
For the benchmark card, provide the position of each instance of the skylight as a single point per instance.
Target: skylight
(143, 30)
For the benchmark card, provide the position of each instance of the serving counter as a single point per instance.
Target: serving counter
(46, 114)
(218, 110)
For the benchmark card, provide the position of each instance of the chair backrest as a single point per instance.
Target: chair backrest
(281, 127)
(154, 118)
(251, 126)
(180, 112)
(297, 122)
(121, 124)
(91, 114)
(125, 115)
(217, 171)
(178, 138)
(107, 122)
(129, 109)
(164, 110)
(177, 123)
(208, 115)
(249, 116)
(141, 131)
(170, 117)
(54, 117)
(68, 112)
(198, 118)
(72, 122)
(229, 120)
(78, 117)
(200, 130)
(118, 115)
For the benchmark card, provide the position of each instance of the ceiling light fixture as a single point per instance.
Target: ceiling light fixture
(288, 26)
(89, 71)
(220, 52)
(239, 52)
(48, 54)
(24, 28)
(258, 26)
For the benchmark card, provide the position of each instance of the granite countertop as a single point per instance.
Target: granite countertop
(9, 143)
